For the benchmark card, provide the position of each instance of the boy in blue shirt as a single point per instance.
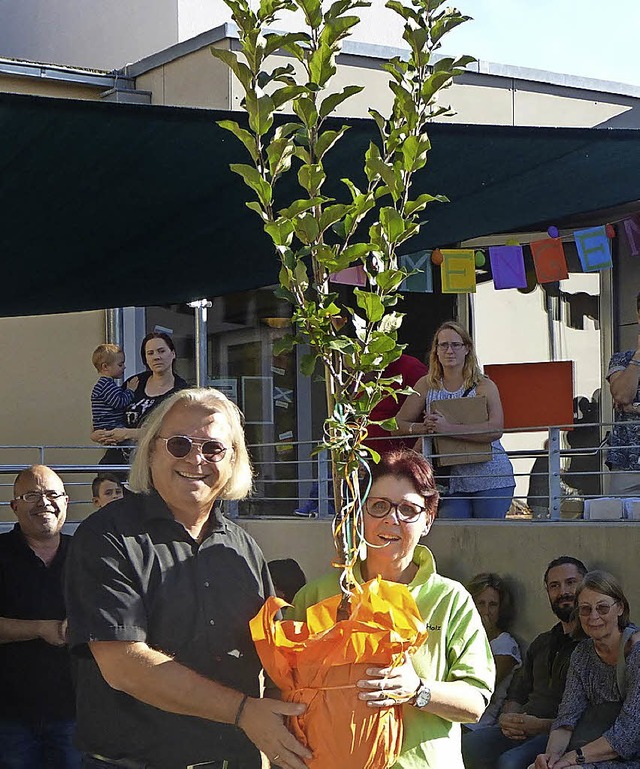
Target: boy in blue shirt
(108, 399)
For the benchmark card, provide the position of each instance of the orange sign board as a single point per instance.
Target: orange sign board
(534, 394)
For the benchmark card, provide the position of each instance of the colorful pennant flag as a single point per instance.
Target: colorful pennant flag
(422, 281)
(594, 248)
(351, 276)
(458, 271)
(549, 260)
(632, 231)
(507, 267)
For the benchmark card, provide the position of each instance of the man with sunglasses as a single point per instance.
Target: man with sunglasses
(536, 690)
(161, 587)
(37, 706)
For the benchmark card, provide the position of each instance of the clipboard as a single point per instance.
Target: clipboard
(461, 411)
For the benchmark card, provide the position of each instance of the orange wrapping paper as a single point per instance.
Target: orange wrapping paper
(319, 661)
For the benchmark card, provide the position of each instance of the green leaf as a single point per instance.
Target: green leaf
(308, 364)
(305, 109)
(284, 42)
(239, 69)
(306, 227)
(375, 167)
(279, 154)
(284, 344)
(370, 303)
(301, 276)
(380, 343)
(285, 94)
(393, 225)
(253, 205)
(327, 139)
(280, 231)
(413, 206)
(391, 322)
(312, 10)
(407, 13)
(414, 152)
(311, 177)
(245, 137)
(322, 65)
(390, 280)
(260, 110)
(299, 206)
(336, 28)
(332, 214)
(329, 104)
(253, 179)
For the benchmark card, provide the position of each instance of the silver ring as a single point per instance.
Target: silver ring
(276, 757)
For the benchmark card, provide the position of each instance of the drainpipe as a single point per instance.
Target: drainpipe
(113, 326)
(200, 307)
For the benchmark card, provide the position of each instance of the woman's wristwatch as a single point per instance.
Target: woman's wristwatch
(422, 697)
(580, 757)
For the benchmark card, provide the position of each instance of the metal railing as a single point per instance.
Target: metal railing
(570, 477)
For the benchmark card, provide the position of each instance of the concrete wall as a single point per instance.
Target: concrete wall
(38, 87)
(45, 392)
(518, 550)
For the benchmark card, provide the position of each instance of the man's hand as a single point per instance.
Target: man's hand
(53, 631)
(262, 721)
(520, 726)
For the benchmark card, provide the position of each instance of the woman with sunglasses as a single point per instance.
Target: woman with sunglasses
(449, 680)
(598, 723)
(160, 591)
(478, 489)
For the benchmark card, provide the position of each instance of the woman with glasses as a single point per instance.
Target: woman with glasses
(449, 680)
(478, 489)
(598, 723)
(160, 591)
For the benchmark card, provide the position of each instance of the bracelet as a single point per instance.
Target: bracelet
(634, 362)
(243, 702)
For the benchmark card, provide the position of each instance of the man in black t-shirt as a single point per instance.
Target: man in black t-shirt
(537, 687)
(37, 705)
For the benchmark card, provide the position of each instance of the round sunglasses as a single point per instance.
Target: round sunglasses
(380, 507)
(179, 446)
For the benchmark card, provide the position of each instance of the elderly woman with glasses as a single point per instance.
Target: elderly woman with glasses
(598, 723)
(160, 591)
(477, 489)
(449, 680)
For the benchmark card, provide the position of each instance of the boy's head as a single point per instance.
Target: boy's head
(105, 488)
(108, 360)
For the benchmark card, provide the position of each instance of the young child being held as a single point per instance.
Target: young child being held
(109, 399)
(105, 488)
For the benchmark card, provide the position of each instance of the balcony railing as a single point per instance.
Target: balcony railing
(563, 482)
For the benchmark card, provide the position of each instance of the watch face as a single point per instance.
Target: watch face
(423, 696)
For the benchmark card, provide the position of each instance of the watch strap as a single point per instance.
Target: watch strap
(580, 757)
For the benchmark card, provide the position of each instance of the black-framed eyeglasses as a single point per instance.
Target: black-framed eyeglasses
(35, 496)
(455, 346)
(602, 609)
(179, 446)
(380, 507)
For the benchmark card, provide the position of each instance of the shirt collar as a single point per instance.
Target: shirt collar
(153, 507)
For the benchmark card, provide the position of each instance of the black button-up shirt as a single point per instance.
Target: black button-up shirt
(135, 574)
(35, 677)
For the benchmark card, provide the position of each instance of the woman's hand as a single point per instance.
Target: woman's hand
(436, 423)
(552, 761)
(389, 686)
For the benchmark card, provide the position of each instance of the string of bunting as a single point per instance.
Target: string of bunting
(458, 265)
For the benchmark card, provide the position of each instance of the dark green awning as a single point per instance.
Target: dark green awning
(108, 205)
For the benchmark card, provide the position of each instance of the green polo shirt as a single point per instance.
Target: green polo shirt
(457, 649)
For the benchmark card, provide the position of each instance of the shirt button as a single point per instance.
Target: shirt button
(212, 622)
(206, 584)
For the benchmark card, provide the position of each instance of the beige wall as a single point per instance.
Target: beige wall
(194, 80)
(519, 550)
(45, 391)
(38, 87)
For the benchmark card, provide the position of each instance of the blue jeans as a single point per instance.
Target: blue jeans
(492, 503)
(489, 749)
(40, 745)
